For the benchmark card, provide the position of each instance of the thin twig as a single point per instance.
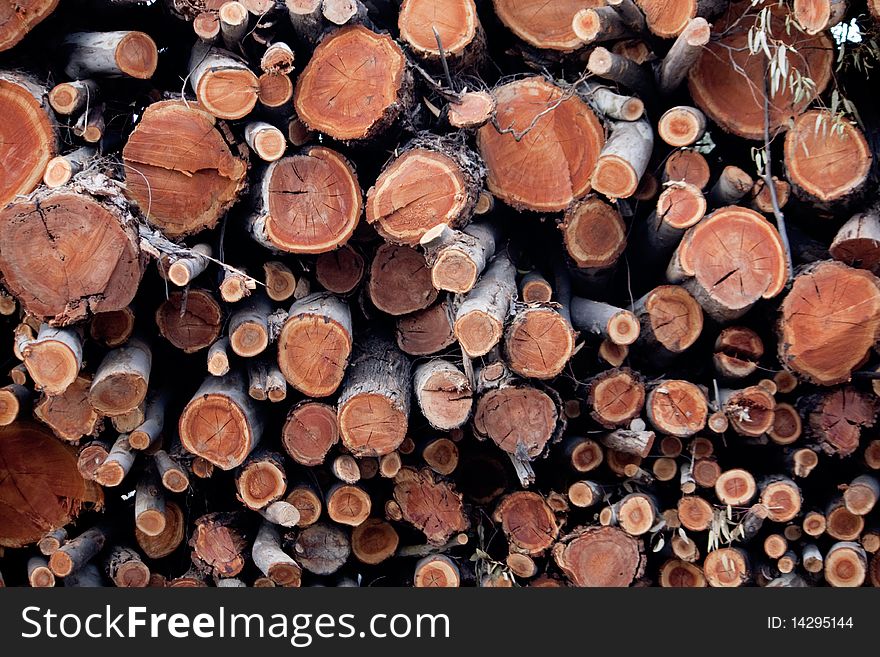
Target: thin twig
(768, 180)
(443, 58)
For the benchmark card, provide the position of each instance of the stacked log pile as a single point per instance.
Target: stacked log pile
(438, 293)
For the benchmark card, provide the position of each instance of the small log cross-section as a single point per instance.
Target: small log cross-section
(616, 396)
(219, 543)
(538, 159)
(829, 322)
(309, 432)
(538, 342)
(548, 27)
(223, 82)
(121, 380)
(836, 418)
(443, 393)
(669, 318)
(600, 556)
(185, 184)
(594, 233)
(311, 202)
(429, 504)
(457, 258)
(480, 319)
(53, 359)
(433, 182)
(729, 261)
(459, 30)
(190, 320)
(374, 401)
(348, 66)
(400, 280)
(678, 408)
(528, 522)
(315, 344)
(221, 423)
(19, 19)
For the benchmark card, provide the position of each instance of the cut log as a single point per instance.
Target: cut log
(521, 419)
(62, 168)
(218, 357)
(546, 27)
(427, 331)
(340, 271)
(474, 110)
(636, 514)
(432, 182)
(441, 455)
(857, 243)
(19, 19)
(185, 184)
(400, 280)
(584, 454)
(750, 411)
(725, 76)
(374, 401)
(149, 504)
(736, 487)
(443, 393)
(846, 565)
(782, 497)
(629, 441)
(190, 321)
(112, 328)
(157, 547)
(594, 25)
(527, 521)
(829, 321)
(280, 280)
(221, 423)
(695, 513)
(621, 70)
(311, 203)
(611, 105)
(121, 380)
(348, 504)
(615, 397)
(87, 262)
(678, 408)
(76, 553)
(542, 147)
(261, 479)
(583, 494)
(623, 159)
(13, 398)
(480, 319)
(218, 543)
(53, 359)
(110, 54)
(278, 58)
(683, 54)
(272, 561)
(28, 136)
(307, 502)
(681, 126)
(761, 199)
(836, 418)
(249, 327)
(39, 573)
(459, 31)
(861, 495)
(738, 351)
(182, 270)
(816, 16)
(383, 77)
(615, 324)
(315, 344)
(787, 424)
(594, 233)
(38, 495)
(842, 524)
(534, 288)
(233, 18)
(729, 261)
(125, 568)
(669, 319)
(726, 567)
(457, 258)
(322, 548)
(600, 556)
(436, 571)
(676, 573)
(206, 25)
(117, 465)
(236, 285)
(814, 524)
(680, 206)
(538, 342)
(309, 432)
(345, 467)
(281, 513)
(826, 159)
(687, 166)
(223, 83)
(430, 505)
(732, 185)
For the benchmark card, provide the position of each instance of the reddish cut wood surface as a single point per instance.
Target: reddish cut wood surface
(539, 343)
(351, 84)
(736, 101)
(215, 428)
(197, 327)
(38, 495)
(340, 271)
(737, 255)
(551, 165)
(825, 158)
(527, 521)
(455, 21)
(180, 169)
(400, 280)
(830, 320)
(676, 318)
(18, 17)
(517, 416)
(420, 190)
(372, 425)
(313, 353)
(309, 432)
(544, 24)
(600, 556)
(678, 408)
(72, 257)
(430, 505)
(594, 233)
(314, 202)
(668, 18)
(27, 140)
